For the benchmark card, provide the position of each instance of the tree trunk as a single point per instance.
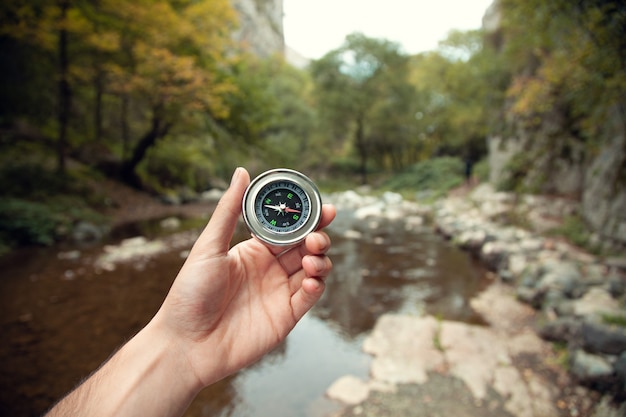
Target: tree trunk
(128, 172)
(361, 149)
(65, 93)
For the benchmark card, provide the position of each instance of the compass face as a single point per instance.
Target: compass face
(281, 207)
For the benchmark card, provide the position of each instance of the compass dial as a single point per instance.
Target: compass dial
(282, 206)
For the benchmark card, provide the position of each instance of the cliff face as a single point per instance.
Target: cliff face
(551, 160)
(260, 26)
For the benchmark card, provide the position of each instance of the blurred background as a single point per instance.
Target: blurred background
(115, 115)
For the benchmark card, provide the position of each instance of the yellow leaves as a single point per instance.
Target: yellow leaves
(531, 96)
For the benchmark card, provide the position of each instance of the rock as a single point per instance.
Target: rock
(563, 329)
(170, 223)
(212, 195)
(129, 249)
(404, 349)
(588, 368)
(531, 296)
(617, 285)
(69, 256)
(596, 302)
(87, 232)
(617, 263)
(494, 254)
(472, 239)
(600, 338)
(620, 369)
(349, 390)
(561, 276)
(171, 199)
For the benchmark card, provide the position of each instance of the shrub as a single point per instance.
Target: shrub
(24, 223)
(438, 175)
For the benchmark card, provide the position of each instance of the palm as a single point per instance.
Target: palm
(237, 304)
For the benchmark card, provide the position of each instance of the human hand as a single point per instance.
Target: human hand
(227, 308)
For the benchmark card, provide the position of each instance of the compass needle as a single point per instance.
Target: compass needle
(282, 206)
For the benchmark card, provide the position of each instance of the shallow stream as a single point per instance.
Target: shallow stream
(61, 317)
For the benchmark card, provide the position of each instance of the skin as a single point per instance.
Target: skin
(225, 310)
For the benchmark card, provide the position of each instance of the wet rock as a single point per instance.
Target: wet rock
(349, 390)
(600, 338)
(212, 195)
(87, 232)
(129, 249)
(588, 368)
(69, 256)
(563, 329)
(494, 254)
(170, 223)
(563, 277)
(404, 349)
(617, 285)
(531, 296)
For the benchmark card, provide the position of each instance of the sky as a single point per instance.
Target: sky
(315, 27)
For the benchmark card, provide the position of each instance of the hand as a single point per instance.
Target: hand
(224, 311)
(227, 308)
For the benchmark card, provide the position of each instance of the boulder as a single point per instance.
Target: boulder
(590, 369)
(601, 338)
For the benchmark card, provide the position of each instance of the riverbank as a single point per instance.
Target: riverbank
(555, 341)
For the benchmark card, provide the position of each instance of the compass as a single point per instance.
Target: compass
(282, 206)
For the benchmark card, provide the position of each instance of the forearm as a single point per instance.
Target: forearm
(147, 376)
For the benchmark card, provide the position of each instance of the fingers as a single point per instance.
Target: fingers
(328, 215)
(317, 243)
(306, 297)
(216, 237)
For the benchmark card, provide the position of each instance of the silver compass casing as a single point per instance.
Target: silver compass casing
(275, 237)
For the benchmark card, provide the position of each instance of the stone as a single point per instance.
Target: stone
(597, 301)
(616, 262)
(561, 276)
(404, 348)
(212, 195)
(600, 338)
(87, 232)
(588, 368)
(170, 223)
(563, 329)
(69, 255)
(349, 390)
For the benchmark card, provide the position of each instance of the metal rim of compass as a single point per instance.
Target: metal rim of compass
(282, 238)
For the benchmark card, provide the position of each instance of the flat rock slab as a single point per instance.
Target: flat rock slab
(409, 350)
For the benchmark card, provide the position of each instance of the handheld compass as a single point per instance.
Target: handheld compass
(282, 206)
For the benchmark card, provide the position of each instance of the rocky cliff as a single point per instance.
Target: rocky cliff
(550, 159)
(260, 26)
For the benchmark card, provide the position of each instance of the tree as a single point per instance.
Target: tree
(461, 84)
(353, 82)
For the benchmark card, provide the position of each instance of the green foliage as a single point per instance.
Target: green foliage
(460, 86)
(364, 96)
(24, 222)
(439, 175)
(39, 207)
(614, 320)
(569, 56)
(574, 230)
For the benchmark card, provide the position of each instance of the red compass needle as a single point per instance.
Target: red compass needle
(290, 210)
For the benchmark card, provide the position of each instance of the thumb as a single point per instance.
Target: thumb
(216, 237)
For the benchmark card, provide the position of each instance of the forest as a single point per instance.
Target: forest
(156, 94)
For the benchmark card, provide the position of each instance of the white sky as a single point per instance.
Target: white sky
(315, 27)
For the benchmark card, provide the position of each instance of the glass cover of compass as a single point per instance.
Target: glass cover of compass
(282, 206)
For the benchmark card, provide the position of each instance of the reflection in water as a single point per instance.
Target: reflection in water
(61, 318)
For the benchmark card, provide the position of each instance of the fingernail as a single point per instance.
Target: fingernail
(235, 175)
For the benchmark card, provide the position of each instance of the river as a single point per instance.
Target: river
(61, 317)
